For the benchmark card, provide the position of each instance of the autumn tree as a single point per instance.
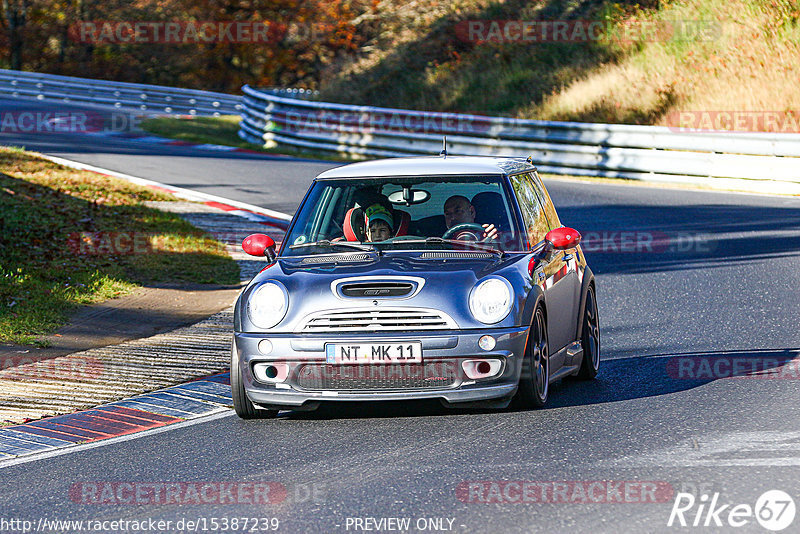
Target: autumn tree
(15, 17)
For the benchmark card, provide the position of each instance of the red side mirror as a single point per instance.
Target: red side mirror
(259, 245)
(563, 238)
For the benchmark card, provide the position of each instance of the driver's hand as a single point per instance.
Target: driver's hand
(489, 231)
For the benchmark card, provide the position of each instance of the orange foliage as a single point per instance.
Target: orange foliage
(304, 39)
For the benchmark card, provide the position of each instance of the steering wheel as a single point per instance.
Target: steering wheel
(465, 232)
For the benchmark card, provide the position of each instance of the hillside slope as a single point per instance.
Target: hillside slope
(661, 57)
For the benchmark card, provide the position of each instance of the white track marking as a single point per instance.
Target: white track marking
(744, 449)
(180, 192)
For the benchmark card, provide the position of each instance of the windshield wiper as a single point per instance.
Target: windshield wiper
(441, 240)
(331, 244)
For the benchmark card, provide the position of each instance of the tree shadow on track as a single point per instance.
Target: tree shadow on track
(374, 410)
(629, 239)
(650, 376)
(620, 379)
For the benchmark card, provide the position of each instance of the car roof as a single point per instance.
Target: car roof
(430, 166)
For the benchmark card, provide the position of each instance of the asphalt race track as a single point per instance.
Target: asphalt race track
(173, 164)
(691, 286)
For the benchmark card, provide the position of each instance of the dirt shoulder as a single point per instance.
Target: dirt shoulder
(149, 310)
(70, 238)
(154, 337)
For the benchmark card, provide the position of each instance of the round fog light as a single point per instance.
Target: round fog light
(271, 373)
(264, 346)
(486, 342)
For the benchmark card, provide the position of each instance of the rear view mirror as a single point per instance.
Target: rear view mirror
(563, 238)
(259, 245)
(407, 196)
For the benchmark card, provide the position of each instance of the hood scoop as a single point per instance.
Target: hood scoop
(377, 289)
(391, 287)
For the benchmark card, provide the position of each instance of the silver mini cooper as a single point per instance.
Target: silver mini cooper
(445, 278)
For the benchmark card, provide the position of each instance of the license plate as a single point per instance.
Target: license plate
(373, 353)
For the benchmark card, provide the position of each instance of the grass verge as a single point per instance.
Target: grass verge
(70, 237)
(222, 130)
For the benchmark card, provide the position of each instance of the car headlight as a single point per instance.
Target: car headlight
(267, 305)
(490, 300)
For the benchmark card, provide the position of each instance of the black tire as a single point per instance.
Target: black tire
(534, 384)
(590, 339)
(241, 404)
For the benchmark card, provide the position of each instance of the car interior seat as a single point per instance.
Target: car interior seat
(433, 225)
(355, 224)
(402, 220)
(490, 209)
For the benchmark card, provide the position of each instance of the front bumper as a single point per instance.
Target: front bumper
(442, 353)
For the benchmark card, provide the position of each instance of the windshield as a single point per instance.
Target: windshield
(450, 213)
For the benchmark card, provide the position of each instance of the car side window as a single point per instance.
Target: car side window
(533, 215)
(544, 196)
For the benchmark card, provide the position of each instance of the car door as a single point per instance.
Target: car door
(557, 293)
(565, 267)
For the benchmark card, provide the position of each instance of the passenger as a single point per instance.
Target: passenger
(379, 223)
(459, 210)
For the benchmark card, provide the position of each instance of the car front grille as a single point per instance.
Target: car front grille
(370, 320)
(430, 375)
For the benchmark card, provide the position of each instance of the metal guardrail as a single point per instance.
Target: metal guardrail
(288, 116)
(608, 150)
(129, 96)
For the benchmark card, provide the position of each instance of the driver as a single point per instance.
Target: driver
(459, 210)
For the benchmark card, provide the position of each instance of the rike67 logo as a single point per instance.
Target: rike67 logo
(774, 510)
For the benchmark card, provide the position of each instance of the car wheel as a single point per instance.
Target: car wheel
(241, 404)
(590, 340)
(534, 384)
